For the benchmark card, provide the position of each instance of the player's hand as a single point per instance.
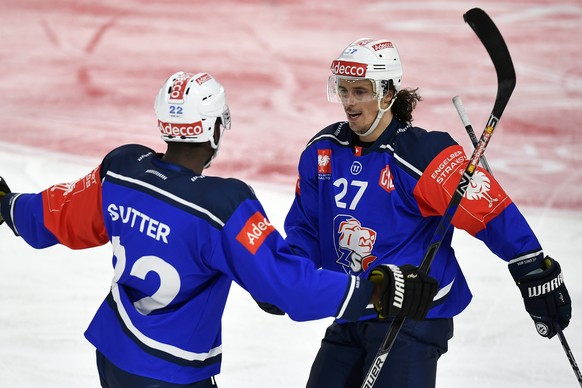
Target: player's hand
(404, 291)
(4, 189)
(546, 298)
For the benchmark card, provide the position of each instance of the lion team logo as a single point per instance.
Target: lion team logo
(354, 244)
(479, 188)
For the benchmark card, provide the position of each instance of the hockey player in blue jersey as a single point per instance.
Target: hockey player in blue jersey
(179, 239)
(371, 191)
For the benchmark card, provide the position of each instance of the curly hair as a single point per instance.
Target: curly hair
(406, 101)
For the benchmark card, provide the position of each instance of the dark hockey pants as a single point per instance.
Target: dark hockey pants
(113, 377)
(348, 349)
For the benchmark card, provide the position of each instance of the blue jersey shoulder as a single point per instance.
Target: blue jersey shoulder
(416, 147)
(339, 133)
(140, 168)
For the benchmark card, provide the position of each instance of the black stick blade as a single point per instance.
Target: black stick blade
(495, 45)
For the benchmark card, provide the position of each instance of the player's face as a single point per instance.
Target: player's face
(360, 103)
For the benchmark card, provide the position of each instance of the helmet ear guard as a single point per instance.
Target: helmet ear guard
(187, 107)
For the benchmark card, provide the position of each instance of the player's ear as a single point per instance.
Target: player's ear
(387, 98)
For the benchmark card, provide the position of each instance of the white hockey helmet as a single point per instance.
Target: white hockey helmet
(187, 107)
(374, 59)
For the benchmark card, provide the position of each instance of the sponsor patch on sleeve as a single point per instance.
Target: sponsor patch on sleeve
(483, 200)
(254, 232)
(58, 195)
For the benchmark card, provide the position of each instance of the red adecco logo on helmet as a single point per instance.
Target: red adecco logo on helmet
(203, 78)
(382, 46)
(179, 87)
(180, 130)
(350, 69)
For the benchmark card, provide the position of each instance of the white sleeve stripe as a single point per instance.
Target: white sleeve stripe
(167, 194)
(344, 143)
(443, 292)
(348, 297)
(12, 206)
(524, 257)
(410, 166)
(166, 348)
(401, 160)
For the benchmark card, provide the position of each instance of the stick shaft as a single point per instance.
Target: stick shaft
(469, 128)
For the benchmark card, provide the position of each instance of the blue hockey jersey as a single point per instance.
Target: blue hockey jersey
(359, 207)
(178, 240)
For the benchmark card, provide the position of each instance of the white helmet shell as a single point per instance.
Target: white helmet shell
(374, 59)
(187, 107)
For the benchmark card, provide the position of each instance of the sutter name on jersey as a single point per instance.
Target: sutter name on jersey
(128, 215)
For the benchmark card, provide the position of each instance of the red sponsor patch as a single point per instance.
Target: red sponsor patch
(58, 195)
(324, 161)
(298, 186)
(203, 78)
(364, 42)
(181, 130)
(447, 163)
(386, 181)
(349, 69)
(254, 232)
(179, 87)
(382, 45)
(484, 198)
(73, 214)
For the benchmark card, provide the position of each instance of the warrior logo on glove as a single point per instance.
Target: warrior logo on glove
(546, 298)
(547, 287)
(404, 291)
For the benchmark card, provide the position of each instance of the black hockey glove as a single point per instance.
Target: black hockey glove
(546, 298)
(4, 189)
(404, 291)
(270, 308)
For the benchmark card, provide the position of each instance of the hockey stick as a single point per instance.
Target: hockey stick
(461, 110)
(469, 128)
(570, 355)
(493, 42)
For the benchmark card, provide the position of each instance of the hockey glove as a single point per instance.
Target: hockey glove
(546, 298)
(404, 291)
(4, 189)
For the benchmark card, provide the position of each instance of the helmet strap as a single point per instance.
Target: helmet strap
(378, 117)
(213, 144)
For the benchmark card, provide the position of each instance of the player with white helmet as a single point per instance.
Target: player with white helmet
(188, 106)
(376, 62)
(371, 192)
(179, 239)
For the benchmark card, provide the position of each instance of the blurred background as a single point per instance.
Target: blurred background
(80, 77)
